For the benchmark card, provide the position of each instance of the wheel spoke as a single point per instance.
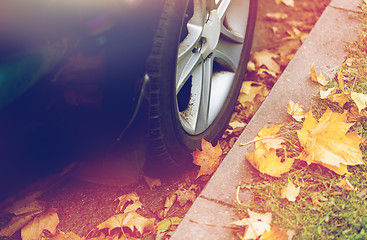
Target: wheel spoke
(185, 68)
(222, 8)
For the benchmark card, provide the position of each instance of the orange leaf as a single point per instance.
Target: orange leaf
(208, 159)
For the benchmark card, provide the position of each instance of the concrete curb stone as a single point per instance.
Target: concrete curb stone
(325, 48)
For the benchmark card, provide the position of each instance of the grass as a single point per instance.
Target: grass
(339, 214)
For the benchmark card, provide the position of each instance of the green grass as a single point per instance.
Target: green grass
(340, 214)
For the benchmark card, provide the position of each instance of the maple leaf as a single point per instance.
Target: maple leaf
(132, 220)
(208, 159)
(275, 233)
(319, 79)
(290, 191)
(46, 220)
(327, 142)
(360, 99)
(257, 224)
(296, 111)
(125, 205)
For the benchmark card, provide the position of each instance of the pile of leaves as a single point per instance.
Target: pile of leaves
(312, 170)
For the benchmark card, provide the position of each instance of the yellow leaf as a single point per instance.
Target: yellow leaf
(346, 185)
(276, 16)
(47, 220)
(360, 99)
(290, 191)
(319, 79)
(327, 93)
(327, 142)
(289, 3)
(296, 111)
(257, 224)
(131, 220)
(339, 98)
(128, 203)
(266, 58)
(268, 137)
(275, 234)
(208, 159)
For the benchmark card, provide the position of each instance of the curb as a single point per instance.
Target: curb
(325, 48)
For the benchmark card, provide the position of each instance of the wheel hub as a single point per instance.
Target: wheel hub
(211, 33)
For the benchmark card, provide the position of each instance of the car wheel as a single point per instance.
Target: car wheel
(196, 68)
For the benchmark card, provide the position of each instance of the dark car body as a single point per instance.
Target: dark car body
(70, 75)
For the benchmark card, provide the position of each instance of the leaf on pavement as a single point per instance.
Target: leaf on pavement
(266, 58)
(131, 220)
(346, 185)
(275, 233)
(264, 158)
(46, 220)
(208, 159)
(152, 182)
(360, 99)
(257, 224)
(289, 3)
(290, 191)
(128, 203)
(328, 142)
(296, 111)
(319, 79)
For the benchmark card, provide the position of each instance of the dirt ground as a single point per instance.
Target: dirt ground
(83, 205)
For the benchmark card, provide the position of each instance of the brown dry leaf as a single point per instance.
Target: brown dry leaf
(251, 96)
(236, 126)
(170, 200)
(257, 224)
(354, 115)
(152, 182)
(17, 223)
(131, 220)
(276, 16)
(315, 198)
(360, 99)
(185, 195)
(296, 111)
(275, 233)
(319, 79)
(128, 203)
(208, 159)
(290, 191)
(47, 220)
(346, 185)
(289, 3)
(266, 58)
(327, 142)
(66, 236)
(251, 66)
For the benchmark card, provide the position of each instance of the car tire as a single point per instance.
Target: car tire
(196, 68)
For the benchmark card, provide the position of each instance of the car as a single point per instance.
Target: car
(75, 73)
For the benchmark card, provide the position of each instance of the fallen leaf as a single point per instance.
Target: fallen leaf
(319, 79)
(329, 143)
(128, 203)
(166, 223)
(186, 195)
(362, 193)
(315, 198)
(360, 99)
(290, 191)
(324, 94)
(268, 136)
(251, 66)
(131, 220)
(346, 185)
(252, 94)
(208, 159)
(276, 16)
(266, 58)
(257, 224)
(263, 72)
(170, 200)
(152, 182)
(339, 98)
(275, 233)
(17, 223)
(340, 80)
(296, 111)
(46, 220)
(289, 3)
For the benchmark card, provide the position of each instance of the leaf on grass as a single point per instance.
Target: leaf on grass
(328, 142)
(275, 233)
(346, 185)
(296, 111)
(339, 98)
(47, 220)
(128, 203)
(290, 191)
(319, 79)
(131, 220)
(166, 223)
(257, 224)
(208, 159)
(360, 99)
(264, 158)
(324, 94)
